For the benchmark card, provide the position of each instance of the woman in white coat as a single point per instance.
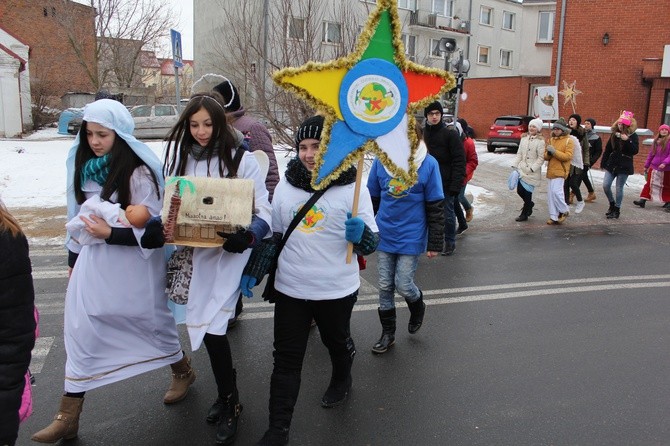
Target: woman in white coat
(528, 162)
(203, 144)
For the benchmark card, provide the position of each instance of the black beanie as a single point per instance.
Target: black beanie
(592, 121)
(310, 129)
(577, 118)
(230, 96)
(433, 106)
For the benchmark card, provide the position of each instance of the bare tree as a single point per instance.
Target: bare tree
(298, 32)
(123, 28)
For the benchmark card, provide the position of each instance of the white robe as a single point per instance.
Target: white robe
(215, 283)
(117, 323)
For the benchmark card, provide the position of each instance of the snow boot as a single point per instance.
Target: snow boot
(417, 309)
(387, 319)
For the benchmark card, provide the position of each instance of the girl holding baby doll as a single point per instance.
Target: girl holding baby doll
(117, 323)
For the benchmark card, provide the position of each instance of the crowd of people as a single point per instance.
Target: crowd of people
(114, 331)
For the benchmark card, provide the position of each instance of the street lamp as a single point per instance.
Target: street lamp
(462, 67)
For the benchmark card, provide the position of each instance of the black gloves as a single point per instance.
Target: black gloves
(122, 237)
(237, 242)
(153, 234)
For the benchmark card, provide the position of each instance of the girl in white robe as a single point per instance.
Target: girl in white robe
(203, 144)
(117, 323)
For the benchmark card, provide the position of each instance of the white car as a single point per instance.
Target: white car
(154, 121)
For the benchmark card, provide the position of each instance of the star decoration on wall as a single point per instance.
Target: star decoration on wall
(570, 93)
(368, 98)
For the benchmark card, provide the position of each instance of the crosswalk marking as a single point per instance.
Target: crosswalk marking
(40, 352)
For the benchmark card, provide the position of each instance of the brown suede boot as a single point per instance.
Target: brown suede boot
(65, 424)
(183, 376)
(591, 197)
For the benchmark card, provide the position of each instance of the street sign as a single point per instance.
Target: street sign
(176, 48)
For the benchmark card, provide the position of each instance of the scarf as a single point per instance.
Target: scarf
(96, 169)
(298, 176)
(197, 152)
(592, 135)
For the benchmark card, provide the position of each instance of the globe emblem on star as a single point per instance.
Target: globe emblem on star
(375, 98)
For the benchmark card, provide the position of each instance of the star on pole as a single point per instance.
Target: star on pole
(570, 93)
(368, 98)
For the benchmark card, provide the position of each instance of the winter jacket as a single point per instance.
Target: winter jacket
(595, 147)
(658, 155)
(17, 329)
(446, 147)
(259, 139)
(618, 156)
(529, 159)
(559, 162)
(471, 160)
(583, 138)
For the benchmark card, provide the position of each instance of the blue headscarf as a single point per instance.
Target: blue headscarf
(114, 116)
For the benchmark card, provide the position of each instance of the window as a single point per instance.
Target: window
(505, 59)
(143, 111)
(406, 4)
(296, 28)
(483, 55)
(409, 42)
(666, 115)
(545, 29)
(164, 110)
(486, 16)
(443, 7)
(433, 47)
(332, 32)
(508, 20)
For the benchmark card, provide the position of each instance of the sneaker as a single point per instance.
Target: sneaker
(461, 229)
(448, 250)
(579, 207)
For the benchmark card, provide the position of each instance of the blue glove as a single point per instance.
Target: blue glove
(354, 228)
(246, 284)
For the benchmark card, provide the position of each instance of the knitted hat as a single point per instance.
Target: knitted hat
(433, 106)
(230, 95)
(664, 127)
(592, 121)
(537, 123)
(310, 129)
(577, 118)
(561, 125)
(626, 117)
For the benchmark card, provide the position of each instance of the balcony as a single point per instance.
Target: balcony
(425, 19)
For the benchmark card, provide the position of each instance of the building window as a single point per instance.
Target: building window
(296, 28)
(406, 4)
(332, 32)
(443, 7)
(508, 20)
(666, 115)
(505, 59)
(486, 16)
(483, 55)
(434, 48)
(545, 29)
(409, 42)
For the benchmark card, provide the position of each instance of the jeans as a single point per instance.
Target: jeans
(449, 220)
(608, 179)
(396, 273)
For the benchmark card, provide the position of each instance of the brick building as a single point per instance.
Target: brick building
(54, 66)
(614, 64)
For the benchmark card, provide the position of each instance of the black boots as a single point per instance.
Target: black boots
(611, 209)
(229, 410)
(526, 212)
(641, 202)
(387, 319)
(284, 388)
(615, 213)
(416, 309)
(340, 381)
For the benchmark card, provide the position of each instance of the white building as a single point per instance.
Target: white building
(15, 111)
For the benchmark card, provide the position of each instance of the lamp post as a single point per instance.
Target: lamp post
(462, 68)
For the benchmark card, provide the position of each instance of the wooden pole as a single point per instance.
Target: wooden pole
(357, 191)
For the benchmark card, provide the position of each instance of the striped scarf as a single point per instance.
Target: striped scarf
(96, 169)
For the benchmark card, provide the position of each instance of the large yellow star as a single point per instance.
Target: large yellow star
(570, 93)
(368, 97)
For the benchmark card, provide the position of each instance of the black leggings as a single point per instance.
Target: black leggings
(586, 180)
(572, 184)
(221, 359)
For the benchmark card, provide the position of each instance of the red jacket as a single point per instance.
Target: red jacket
(471, 160)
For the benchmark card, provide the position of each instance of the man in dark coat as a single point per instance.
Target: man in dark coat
(445, 145)
(17, 323)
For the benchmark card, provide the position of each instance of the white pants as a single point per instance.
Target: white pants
(556, 198)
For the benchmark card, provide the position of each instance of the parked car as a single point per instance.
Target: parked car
(506, 132)
(154, 121)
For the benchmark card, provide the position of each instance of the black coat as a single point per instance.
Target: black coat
(618, 156)
(17, 329)
(446, 146)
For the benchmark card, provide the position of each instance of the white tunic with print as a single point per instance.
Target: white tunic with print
(215, 284)
(117, 323)
(312, 265)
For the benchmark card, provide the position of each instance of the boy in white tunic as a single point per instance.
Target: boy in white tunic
(117, 323)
